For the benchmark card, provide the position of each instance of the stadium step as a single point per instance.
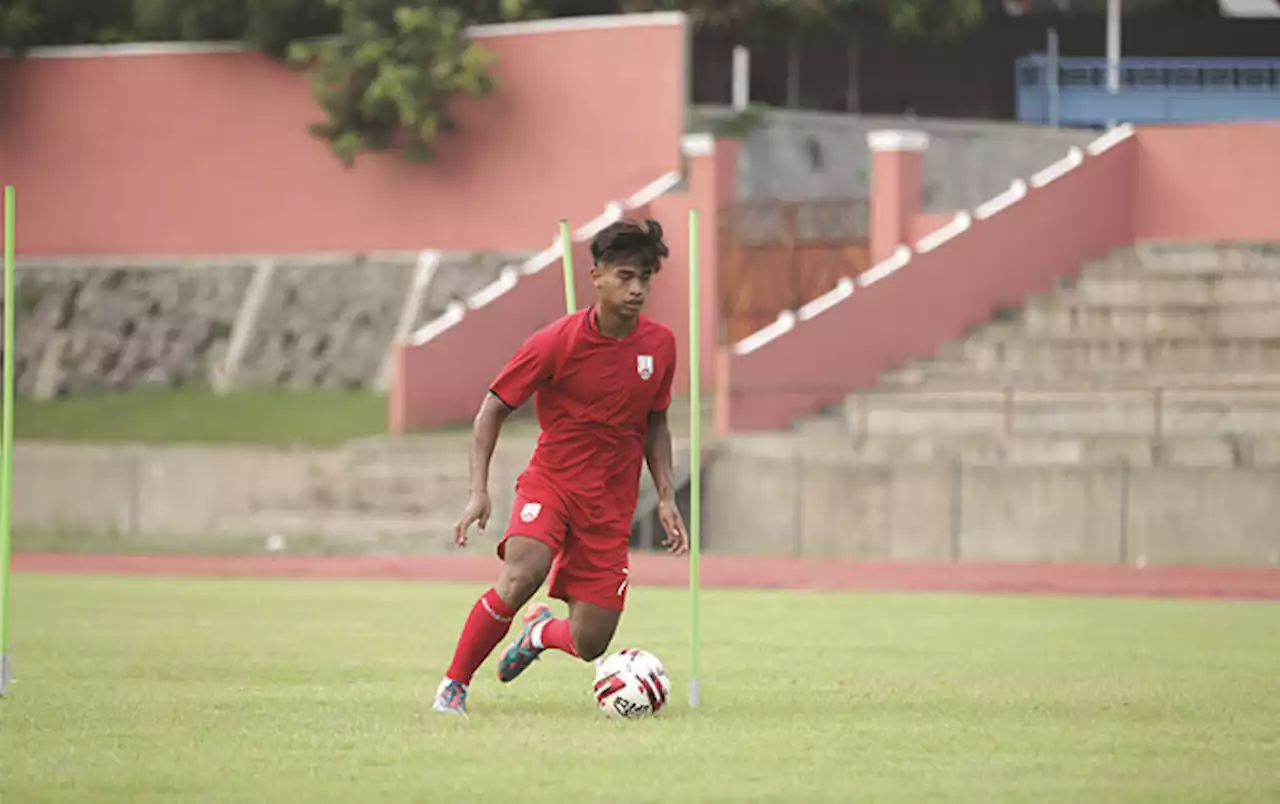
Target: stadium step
(1207, 260)
(1127, 290)
(941, 376)
(1071, 450)
(1059, 317)
(1190, 412)
(366, 532)
(1153, 356)
(1003, 350)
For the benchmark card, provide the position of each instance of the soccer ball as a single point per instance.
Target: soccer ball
(631, 684)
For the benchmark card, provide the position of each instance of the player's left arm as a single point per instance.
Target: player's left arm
(657, 453)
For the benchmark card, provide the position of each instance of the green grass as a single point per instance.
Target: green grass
(85, 542)
(199, 416)
(142, 690)
(267, 417)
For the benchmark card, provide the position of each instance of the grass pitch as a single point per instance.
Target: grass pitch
(269, 417)
(200, 416)
(141, 690)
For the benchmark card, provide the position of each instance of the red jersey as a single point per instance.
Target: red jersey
(594, 396)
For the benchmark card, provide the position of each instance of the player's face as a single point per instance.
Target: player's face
(623, 288)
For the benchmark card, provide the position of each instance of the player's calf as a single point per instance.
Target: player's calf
(543, 632)
(593, 628)
(592, 647)
(591, 642)
(524, 567)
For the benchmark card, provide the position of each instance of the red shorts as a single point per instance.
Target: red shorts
(588, 564)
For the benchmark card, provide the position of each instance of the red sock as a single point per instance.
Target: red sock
(557, 636)
(488, 623)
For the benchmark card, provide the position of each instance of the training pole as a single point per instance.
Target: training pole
(695, 463)
(6, 440)
(566, 245)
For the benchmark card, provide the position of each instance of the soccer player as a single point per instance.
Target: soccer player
(603, 382)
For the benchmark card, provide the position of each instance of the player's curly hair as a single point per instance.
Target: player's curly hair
(626, 242)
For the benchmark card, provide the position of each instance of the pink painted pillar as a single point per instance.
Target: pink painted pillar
(399, 413)
(710, 184)
(897, 177)
(712, 172)
(723, 391)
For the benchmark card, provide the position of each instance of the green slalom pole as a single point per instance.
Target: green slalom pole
(566, 244)
(695, 464)
(6, 440)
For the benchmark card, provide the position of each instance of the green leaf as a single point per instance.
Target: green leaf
(387, 81)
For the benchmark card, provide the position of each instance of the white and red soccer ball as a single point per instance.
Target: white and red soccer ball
(631, 684)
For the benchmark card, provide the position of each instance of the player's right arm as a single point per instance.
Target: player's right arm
(484, 437)
(527, 371)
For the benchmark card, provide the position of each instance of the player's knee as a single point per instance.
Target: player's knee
(519, 581)
(519, 584)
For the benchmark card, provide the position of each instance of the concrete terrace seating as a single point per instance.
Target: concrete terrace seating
(1158, 355)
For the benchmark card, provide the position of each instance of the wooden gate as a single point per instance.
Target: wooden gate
(779, 255)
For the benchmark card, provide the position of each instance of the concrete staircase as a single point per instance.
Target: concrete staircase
(1131, 415)
(1156, 355)
(394, 496)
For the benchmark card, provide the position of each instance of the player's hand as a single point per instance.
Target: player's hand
(477, 512)
(677, 541)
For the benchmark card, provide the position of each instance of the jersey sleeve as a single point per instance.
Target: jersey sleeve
(662, 400)
(528, 370)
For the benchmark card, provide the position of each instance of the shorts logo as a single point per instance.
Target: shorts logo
(626, 579)
(644, 366)
(530, 511)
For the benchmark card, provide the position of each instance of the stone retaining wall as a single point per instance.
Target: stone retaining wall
(312, 322)
(118, 327)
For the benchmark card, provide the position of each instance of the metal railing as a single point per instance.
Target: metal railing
(1074, 91)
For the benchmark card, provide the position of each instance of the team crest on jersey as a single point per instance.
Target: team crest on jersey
(644, 366)
(530, 511)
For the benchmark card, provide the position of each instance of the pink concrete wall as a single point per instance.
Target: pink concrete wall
(1208, 182)
(443, 380)
(183, 154)
(712, 184)
(895, 185)
(1217, 182)
(934, 298)
(927, 223)
(1183, 183)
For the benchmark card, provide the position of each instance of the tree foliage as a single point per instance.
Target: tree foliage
(907, 16)
(269, 25)
(27, 23)
(266, 24)
(387, 79)
(385, 72)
